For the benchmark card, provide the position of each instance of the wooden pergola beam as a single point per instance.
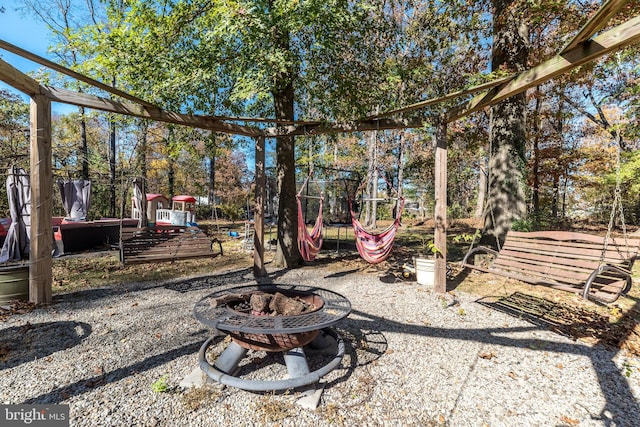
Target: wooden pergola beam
(586, 51)
(41, 180)
(17, 79)
(379, 121)
(441, 99)
(597, 22)
(347, 127)
(64, 70)
(153, 113)
(440, 210)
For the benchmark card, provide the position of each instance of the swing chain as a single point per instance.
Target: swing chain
(617, 203)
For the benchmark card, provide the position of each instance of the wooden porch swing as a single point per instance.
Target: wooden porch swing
(596, 267)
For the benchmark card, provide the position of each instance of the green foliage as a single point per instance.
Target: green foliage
(160, 385)
(466, 237)
(232, 212)
(429, 246)
(524, 224)
(14, 130)
(203, 212)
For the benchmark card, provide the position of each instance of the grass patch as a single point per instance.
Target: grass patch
(99, 269)
(273, 410)
(195, 398)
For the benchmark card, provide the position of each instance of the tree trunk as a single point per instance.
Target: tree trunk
(287, 254)
(333, 198)
(112, 162)
(507, 124)
(482, 188)
(141, 155)
(171, 164)
(212, 186)
(535, 167)
(401, 148)
(372, 185)
(171, 177)
(112, 166)
(85, 145)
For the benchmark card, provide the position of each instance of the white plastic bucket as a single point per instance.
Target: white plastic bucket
(425, 271)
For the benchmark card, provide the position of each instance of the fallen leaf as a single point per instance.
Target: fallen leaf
(570, 421)
(487, 356)
(560, 366)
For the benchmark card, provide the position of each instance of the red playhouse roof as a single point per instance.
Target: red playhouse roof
(184, 198)
(153, 196)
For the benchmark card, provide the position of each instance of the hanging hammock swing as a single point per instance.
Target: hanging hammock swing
(375, 247)
(309, 244)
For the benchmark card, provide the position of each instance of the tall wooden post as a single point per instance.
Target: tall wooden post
(40, 262)
(440, 230)
(258, 215)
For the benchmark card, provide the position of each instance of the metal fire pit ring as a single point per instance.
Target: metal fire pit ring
(219, 311)
(270, 385)
(222, 317)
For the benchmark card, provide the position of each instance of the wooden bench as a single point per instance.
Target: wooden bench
(162, 243)
(564, 260)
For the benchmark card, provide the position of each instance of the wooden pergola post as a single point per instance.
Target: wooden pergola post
(40, 262)
(258, 214)
(440, 216)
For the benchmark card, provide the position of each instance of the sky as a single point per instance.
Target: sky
(27, 33)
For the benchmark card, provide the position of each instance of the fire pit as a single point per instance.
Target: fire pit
(274, 319)
(273, 304)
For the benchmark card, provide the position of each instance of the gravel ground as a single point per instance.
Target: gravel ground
(413, 358)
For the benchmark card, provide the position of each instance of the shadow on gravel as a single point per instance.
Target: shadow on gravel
(212, 282)
(82, 386)
(20, 344)
(341, 274)
(621, 406)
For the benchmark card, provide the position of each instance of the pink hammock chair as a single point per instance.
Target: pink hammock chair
(375, 247)
(309, 244)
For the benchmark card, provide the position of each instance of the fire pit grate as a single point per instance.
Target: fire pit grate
(214, 311)
(252, 327)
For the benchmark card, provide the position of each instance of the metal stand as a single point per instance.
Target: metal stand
(295, 360)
